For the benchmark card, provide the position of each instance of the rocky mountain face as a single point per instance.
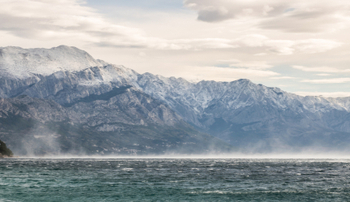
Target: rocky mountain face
(33, 126)
(255, 116)
(65, 93)
(95, 110)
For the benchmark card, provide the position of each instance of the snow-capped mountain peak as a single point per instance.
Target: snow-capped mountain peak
(21, 63)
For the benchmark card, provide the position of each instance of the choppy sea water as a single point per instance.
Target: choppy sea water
(159, 179)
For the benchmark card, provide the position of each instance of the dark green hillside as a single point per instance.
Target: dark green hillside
(4, 151)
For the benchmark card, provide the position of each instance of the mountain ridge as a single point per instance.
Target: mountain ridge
(239, 112)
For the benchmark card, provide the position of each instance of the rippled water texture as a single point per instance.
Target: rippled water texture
(174, 180)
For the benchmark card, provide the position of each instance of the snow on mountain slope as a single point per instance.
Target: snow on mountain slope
(43, 72)
(233, 95)
(23, 63)
(230, 110)
(253, 115)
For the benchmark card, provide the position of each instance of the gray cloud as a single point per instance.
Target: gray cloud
(288, 16)
(220, 10)
(214, 14)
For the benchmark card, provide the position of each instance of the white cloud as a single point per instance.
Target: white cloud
(282, 78)
(247, 64)
(324, 94)
(328, 81)
(287, 47)
(194, 44)
(225, 74)
(47, 20)
(315, 45)
(323, 74)
(142, 54)
(324, 69)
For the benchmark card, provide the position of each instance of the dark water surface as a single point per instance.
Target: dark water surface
(174, 180)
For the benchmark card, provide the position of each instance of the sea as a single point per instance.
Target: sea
(174, 179)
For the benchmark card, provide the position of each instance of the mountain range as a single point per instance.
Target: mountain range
(61, 100)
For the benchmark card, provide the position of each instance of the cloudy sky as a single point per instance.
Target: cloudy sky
(299, 46)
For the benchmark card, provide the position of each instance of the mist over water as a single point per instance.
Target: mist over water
(174, 179)
(309, 174)
(311, 153)
(311, 156)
